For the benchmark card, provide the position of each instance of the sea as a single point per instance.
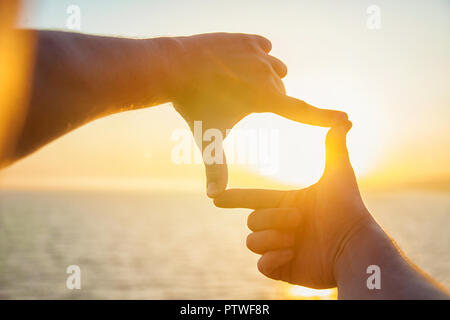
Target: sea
(175, 245)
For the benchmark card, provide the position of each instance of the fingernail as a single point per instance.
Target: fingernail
(346, 126)
(340, 118)
(212, 189)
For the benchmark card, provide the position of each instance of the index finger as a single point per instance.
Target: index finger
(303, 112)
(249, 198)
(274, 218)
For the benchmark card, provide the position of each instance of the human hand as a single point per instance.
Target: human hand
(220, 78)
(300, 234)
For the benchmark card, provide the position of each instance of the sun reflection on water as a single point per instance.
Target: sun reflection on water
(304, 293)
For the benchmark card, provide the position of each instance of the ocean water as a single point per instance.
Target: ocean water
(151, 245)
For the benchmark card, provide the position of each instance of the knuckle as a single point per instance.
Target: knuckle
(263, 65)
(254, 45)
(267, 66)
(283, 70)
(264, 42)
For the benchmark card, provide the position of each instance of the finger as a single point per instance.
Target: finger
(274, 80)
(303, 112)
(271, 262)
(277, 83)
(273, 218)
(216, 179)
(214, 159)
(336, 153)
(278, 66)
(268, 240)
(216, 171)
(249, 198)
(263, 43)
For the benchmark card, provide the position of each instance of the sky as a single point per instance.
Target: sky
(393, 82)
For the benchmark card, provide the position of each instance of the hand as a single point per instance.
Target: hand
(300, 234)
(220, 78)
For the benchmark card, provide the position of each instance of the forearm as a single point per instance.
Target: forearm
(79, 78)
(399, 279)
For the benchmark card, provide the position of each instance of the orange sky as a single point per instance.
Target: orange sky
(393, 83)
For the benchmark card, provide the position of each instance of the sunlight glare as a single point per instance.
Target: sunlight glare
(304, 293)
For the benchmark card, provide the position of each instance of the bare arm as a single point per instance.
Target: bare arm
(79, 78)
(216, 78)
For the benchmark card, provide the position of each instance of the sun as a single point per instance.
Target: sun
(295, 153)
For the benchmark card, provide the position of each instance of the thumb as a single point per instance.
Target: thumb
(215, 162)
(337, 160)
(210, 144)
(216, 177)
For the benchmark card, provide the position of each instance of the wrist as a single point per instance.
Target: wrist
(140, 74)
(167, 54)
(152, 71)
(367, 245)
(177, 65)
(390, 275)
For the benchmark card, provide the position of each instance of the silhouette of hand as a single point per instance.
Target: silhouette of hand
(220, 78)
(301, 233)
